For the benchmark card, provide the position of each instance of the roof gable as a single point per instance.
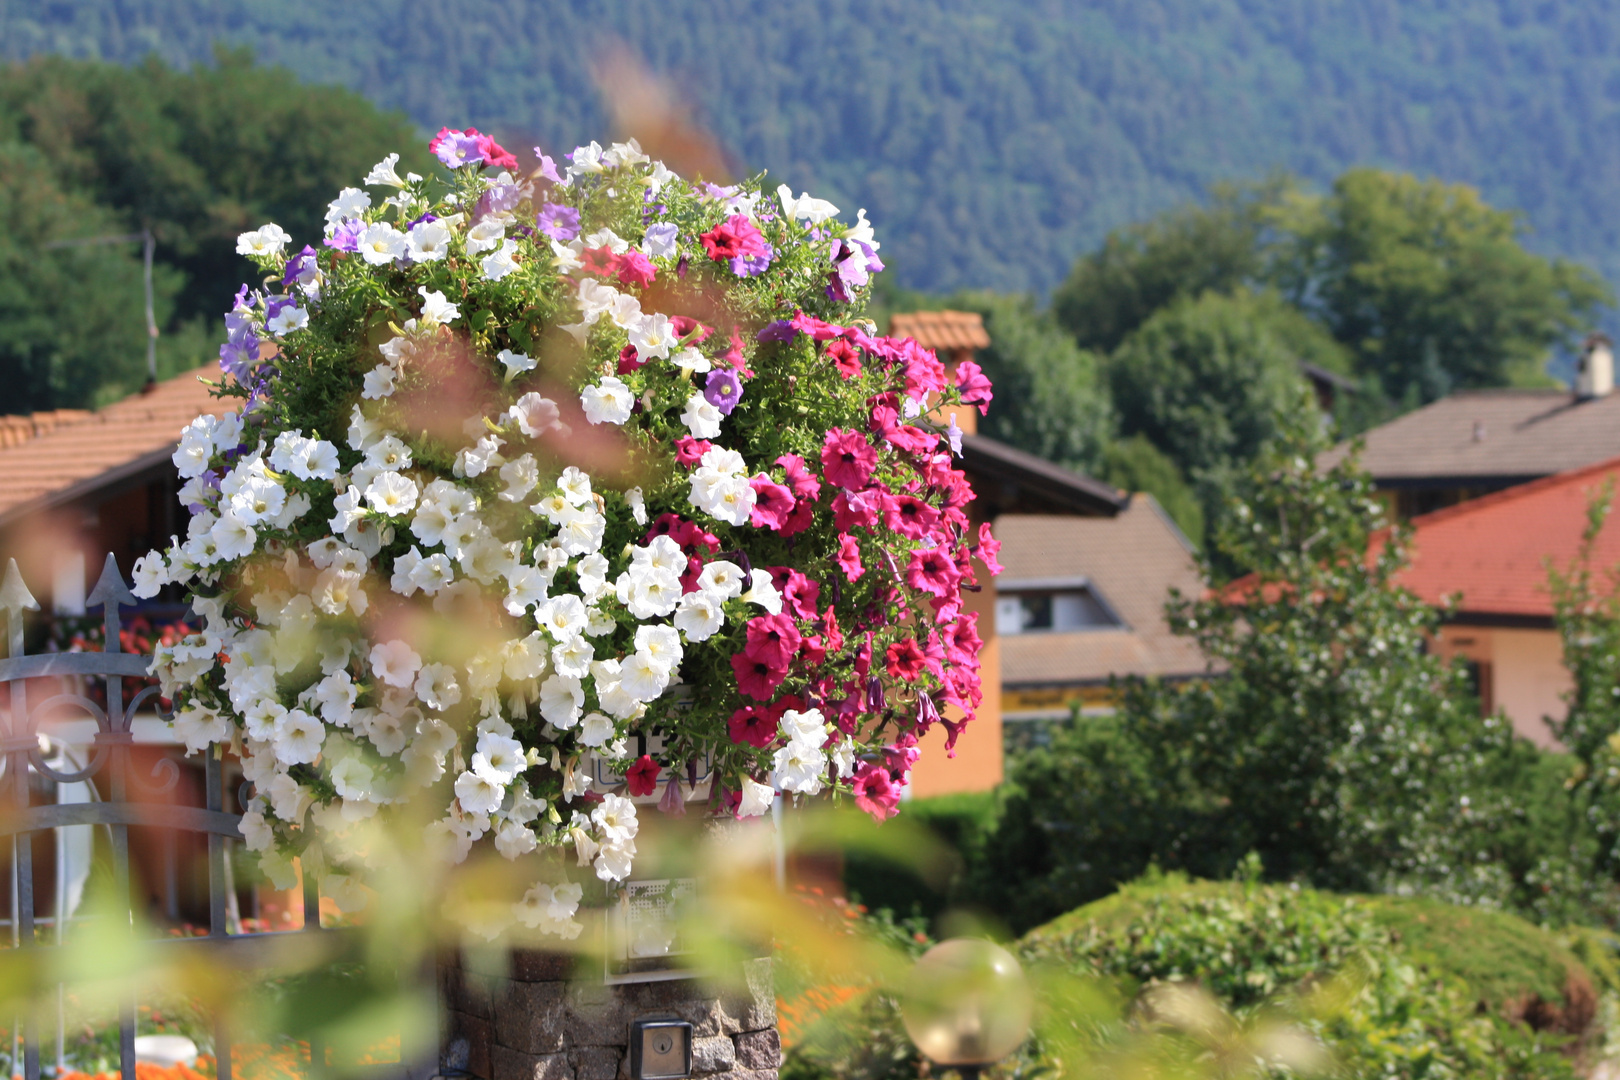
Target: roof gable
(1495, 550)
(72, 457)
(1484, 436)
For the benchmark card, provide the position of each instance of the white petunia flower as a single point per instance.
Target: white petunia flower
(804, 208)
(428, 241)
(485, 236)
(233, 537)
(575, 486)
(638, 505)
(299, 737)
(395, 663)
(520, 475)
(537, 415)
(526, 586)
(762, 591)
(513, 840)
(652, 335)
(572, 656)
(383, 173)
(379, 383)
(350, 203)
(435, 308)
(392, 494)
(561, 699)
(502, 757)
(381, 244)
(609, 402)
(433, 573)
(722, 579)
(689, 359)
(151, 574)
(515, 363)
(436, 686)
(266, 241)
(500, 262)
(699, 616)
(479, 793)
(756, 799)
(595, 730)
(288, 319)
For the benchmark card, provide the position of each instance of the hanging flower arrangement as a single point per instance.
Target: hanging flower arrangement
(528, 465)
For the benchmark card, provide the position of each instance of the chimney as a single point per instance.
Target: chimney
(1594, 377)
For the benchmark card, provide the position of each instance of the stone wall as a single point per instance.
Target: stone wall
(527, 1018)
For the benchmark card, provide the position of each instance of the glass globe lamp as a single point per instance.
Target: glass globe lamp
(967, 1004)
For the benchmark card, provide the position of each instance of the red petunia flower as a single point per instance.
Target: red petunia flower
(599, 261)
(634, 268)
(756, 678)
(905, 660)
(753, 725)
(642, 777)
(772, 640)
(845, 357)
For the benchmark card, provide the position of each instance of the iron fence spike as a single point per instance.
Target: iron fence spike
(110, 586)
(14, 595)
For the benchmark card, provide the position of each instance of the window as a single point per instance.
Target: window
(1026, 608)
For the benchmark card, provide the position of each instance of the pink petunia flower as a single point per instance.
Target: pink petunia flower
(756, 678)
(855, 510)
(975, 387)
(931, 571)
(772, 503)
(772, 639)
(847, 459)
(875, 791)
(989, 549)
(849, 557)
(690, 451)
(634, 268)
(904, 660)
(910, 516)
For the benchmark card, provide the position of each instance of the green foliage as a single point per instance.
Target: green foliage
(1135, 464)
(1502, 958)
(1586, 606)
(1205, 379)
(960, 822)
(1380, 1004)
(96, 149)
(1431, 287)
(1332, 743)
(991, 142)
(1050, 395)
(1180, 254)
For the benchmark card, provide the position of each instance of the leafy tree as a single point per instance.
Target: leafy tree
(1205, 379)
(1050, 395)
(197, 156)
(1328, 739)
(1135, 464)
(1431, 287)
(71, 317)
(1182, 253)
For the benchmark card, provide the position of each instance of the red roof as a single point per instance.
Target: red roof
(68, 449)
(944, 331)
(1495, 550)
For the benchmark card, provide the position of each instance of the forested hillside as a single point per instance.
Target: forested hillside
(991, 142)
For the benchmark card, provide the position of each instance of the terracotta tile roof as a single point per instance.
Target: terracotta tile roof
(1132, 560)
(54, 464)
(1492, 434)
(942, 331)
(18, 429)
(1494, 549)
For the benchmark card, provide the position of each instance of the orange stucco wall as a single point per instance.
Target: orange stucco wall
(1527, 674)
(977, 765)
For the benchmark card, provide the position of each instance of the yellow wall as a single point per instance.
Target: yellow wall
(1527, 673)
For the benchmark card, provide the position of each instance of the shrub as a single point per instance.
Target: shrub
(960, 822)
(1384, 1004)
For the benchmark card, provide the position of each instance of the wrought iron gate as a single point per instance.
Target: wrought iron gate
(111, 761)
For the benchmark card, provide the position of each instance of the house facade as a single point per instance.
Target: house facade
(1492, 554)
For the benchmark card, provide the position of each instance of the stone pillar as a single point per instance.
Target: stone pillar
(530, 1017)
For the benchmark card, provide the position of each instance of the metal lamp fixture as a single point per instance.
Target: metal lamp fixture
(967, 1005)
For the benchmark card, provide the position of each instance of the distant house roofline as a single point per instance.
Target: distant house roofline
(1018, 482)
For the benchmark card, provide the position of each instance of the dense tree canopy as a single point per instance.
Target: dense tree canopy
(97, 149)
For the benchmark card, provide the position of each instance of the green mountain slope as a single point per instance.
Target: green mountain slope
(991, 141)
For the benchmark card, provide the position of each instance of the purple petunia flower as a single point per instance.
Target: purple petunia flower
(753, 265)
(780, 330)
(346, 237)
(558, 222)
(548, 167)
(723, 390)
(457, 148)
